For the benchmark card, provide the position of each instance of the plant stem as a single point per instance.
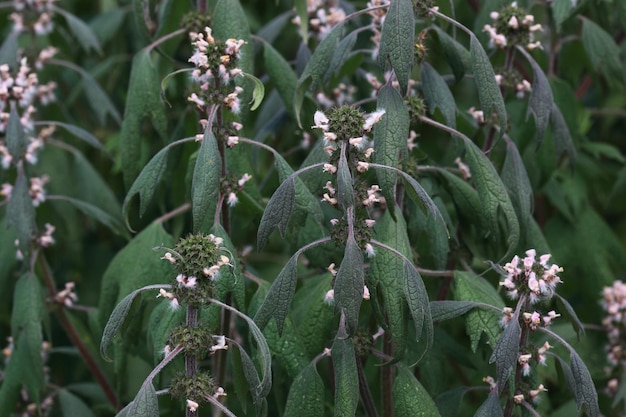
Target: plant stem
(366, 395)
(191, 360)
(75, 338)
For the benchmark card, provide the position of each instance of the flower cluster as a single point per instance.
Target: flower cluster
(216, 64)
(33, 15)
(513, 80)
(378, 18)
(512, 26)
(614, 323)
(531, 276)
(322, 19)
(198, 260)
(329, 297)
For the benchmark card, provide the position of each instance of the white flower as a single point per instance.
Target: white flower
(366, 293)
(330, 168)
(329, 298)
(244, 179)
(220, 343)
(372, 119)
(362, 166)
(513, 23)
(320, 120)
(168, 257)
(232, 199)
(192, 405)
(369, 250)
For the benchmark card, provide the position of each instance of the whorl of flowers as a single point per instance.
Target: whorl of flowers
(528, 275)
(198, 259)
(322, 19)
(378, 18)
(512, 26)
(216, 63)
(614, 323)
(33, 15)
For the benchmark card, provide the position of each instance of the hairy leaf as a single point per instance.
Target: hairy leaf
(16, 139)
(584, 389)
(346, 378)
(438, 94)
(313, 316)
(162, 319)
(8, 51)
(457, 55)
(506, 351)
(282, 76)
(488, 91)
(603, 52)
(390, 136)
(279, 296)
(349, 284)
(316, 68)
(96, 213)
(417, 299)
(205, 186)
(470, 287)
(80, 133)
(341, 55)
(306, 395)
(82, 32)
(515, 178)
(561, 134)
(491, 407)
(541, 101)
(143, 103)
(568, 312)
(145, 403)
(449, 309)
(277, 212)
(146, 183)
(21, 214)
(410, 398)
(396, 41)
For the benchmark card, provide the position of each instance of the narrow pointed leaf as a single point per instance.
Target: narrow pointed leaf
(205, 185)
(146, 183)
(316, 68)
(420, 196)
(449, 309)
(491, 407)
(584, 388)
(16, 139)
(80, 133)
(258, 93)
(144, 92)
(346, 377)
(81, 31)
(417, 300)
(541, 101)
(97, 214)
(410, 398)
(506, 351)
(603, 52)
(9, 48)
(457, 55)
(306, 395)
(349, 284)
(390, 136)
(281, 74)
(515, 178)
(21, 214)
(277, 212)
(488, 91)
(396, 41)
(438, 94)
(145, 403)
(561, 134)
(568, 312)
(341, 55)
(279, 296)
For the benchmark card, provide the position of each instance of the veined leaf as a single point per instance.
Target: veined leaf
(438, 94)
(449, 309)
(281, 74)
(341, 55)
(205, 186)
(491, 407)
(313, 316)
(346, 377)
(417, 299)
(279, 296)
(145, 403)
(146, 183)
(470, 287)
(80, 133)
(584, 388)
(390, 136)
(277, 212)
(306, 395)
(506, 351)
(349, 284)
(97, 214)
(396, 41)
(515, 178)
(162, 319)
(603, 52)
(561, 134)
(9, 48)
(488, 91)
(21, 214)
(541, 101)
(568, 312)
(16, 139)
(457, 55)
(258, 93)
(562, 10)
(316, 67)
(143, 103)
(82, 32)
(410, 398)
(303, 14)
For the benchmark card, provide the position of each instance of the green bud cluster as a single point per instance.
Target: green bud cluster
(194, 388)
(346, 122)
(195, 21)
(196, 340)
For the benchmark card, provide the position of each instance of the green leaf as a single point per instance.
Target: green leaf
(258, 93)
(341, 55)
(506, 351)
(8, 51)
(143, 103)
(390, 136)
(96, 213)
(561, 134)
(303, 14)
(80, 133)
(282, 76)
(346, 376)
(470, 287)
(146, 183)
(449, 309)
(250, 373)
(466, 198)
(162, 319)
(491, 407)
(7, 256)
(277, 212)
(494, 197)
(438, 94)
(145, 403)
(603, 52)
(81, 31)
(117, 320)
(584, 389)
(279, 296)
(562, 10)
(410, 398)
(313, 316)
(386, 269)
(417, 299)
(21, 214)
(72, 406)
(515, 178)
(396, 41)
(457, 55)
(541, 102)
(349, 284)
(488, 91)
(316, 68)
(306, 395)
(205, 186)
(16, 139)
(568, 312)
(345, 189)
